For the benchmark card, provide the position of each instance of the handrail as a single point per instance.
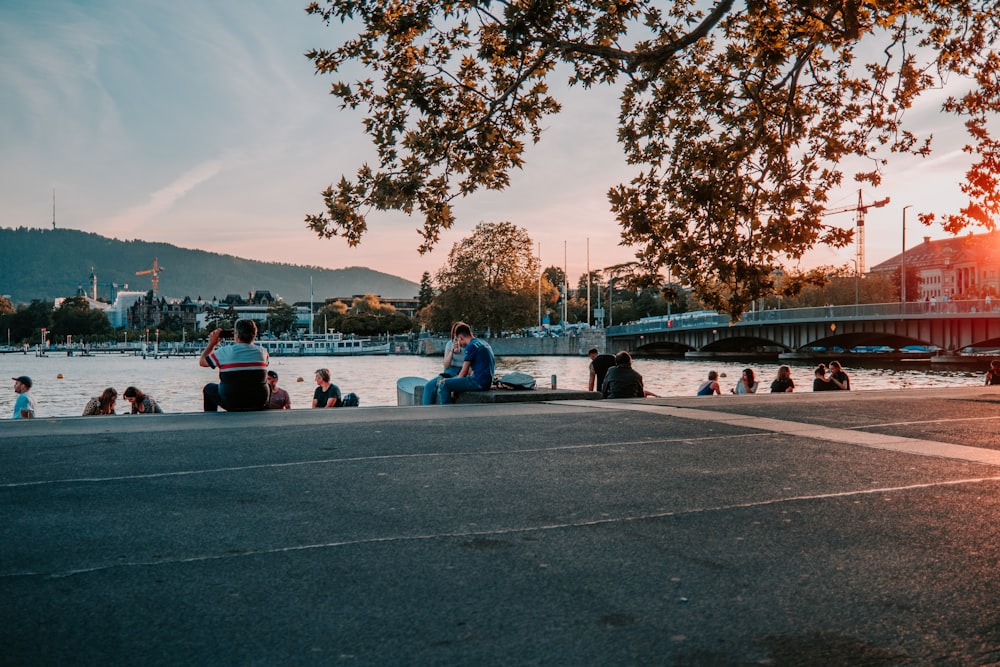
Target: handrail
(868, 311)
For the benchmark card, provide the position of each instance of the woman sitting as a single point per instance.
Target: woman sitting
(103, 404)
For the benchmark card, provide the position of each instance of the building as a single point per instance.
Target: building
(964, 267)
(150, 312)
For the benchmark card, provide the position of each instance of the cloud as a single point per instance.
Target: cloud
(161, 201)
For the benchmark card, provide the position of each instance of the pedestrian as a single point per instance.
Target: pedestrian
(599, 366)
(783, 383)
(838, 377)
(280, 400)
(103, 404)
(24, 404)
(242, 367)
(142, 404)
(327, 395)
(477, 367)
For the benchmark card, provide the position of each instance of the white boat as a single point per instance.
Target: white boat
(323, 345)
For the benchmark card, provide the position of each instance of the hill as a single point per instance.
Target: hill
(51, 263)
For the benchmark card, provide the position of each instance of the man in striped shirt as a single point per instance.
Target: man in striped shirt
(242, 367)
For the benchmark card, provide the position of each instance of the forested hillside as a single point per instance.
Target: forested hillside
(51, 263)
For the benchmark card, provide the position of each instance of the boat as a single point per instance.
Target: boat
(323, 345)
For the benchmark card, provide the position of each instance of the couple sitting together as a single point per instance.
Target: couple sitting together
(471, 371)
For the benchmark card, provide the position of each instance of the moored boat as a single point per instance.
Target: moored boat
(323, 345)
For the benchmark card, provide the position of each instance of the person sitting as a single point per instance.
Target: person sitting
(142, 404)
(783, 383)
(477, 368)
(711, 386)
(993, 375)
(453, 360)
(24, 404)
(820, 383)
(622, 381)
(747, 383)
(327, 395)
(103, 404)
(279, 400)
(600, 364)
(242, 367)
(838, 377)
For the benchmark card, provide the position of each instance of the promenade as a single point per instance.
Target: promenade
(853, 528)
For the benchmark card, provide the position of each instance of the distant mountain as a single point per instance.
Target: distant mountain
(51, 263)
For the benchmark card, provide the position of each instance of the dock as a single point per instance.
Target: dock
(838, 528)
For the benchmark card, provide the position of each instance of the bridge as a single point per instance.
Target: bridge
(942, 328)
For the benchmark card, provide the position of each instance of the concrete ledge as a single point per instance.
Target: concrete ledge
(526, 396)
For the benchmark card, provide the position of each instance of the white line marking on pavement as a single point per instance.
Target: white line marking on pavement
(817, 432)
(353, 459)
(495, 531)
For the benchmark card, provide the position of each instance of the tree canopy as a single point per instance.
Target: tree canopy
(738, 117)
(490, 281)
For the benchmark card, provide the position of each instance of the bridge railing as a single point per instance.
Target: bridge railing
(705, 319)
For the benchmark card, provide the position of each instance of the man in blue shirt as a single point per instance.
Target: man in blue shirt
(477, 369)
(24, 405)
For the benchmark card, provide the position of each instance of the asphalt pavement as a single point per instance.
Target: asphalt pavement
(850, 528)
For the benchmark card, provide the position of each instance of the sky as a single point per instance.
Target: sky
(203, 125)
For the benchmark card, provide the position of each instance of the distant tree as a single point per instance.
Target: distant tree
(75, 317)
(490, 280)
(426, 294)
(281, 317)
(6, 307)
(843, 288)
(366, 316)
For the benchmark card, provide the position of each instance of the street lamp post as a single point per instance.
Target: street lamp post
(857, 286)
(902, 264)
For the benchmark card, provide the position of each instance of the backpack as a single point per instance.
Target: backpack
(350, 400)
(516, 380)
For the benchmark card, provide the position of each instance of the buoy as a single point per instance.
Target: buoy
(59, 377)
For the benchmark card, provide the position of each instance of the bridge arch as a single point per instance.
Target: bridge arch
(949, 328)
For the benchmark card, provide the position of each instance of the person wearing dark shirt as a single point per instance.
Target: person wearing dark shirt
(820, 383)
(242, 367)
(993, 375)
(599, 366)
(621, 381)
(327, 395)
(838, 377)
(783, 382)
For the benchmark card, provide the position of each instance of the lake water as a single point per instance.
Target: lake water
(176, 382)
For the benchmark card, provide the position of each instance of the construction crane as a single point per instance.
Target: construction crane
(859, 236)
(155, 271)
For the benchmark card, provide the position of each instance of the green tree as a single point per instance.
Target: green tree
(841, 288)
(281, 317)
(490, 280)
(426, 294)
(75, 317)
(737, 116)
